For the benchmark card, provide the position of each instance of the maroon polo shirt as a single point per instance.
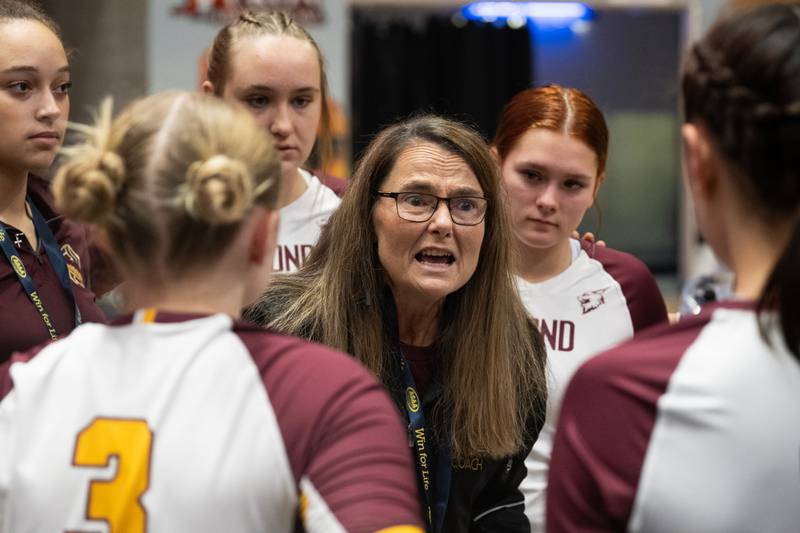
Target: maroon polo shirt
(21, 325)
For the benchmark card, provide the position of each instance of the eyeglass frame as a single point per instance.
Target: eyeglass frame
(439, 199)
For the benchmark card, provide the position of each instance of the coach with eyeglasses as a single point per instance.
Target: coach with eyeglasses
(412, 276)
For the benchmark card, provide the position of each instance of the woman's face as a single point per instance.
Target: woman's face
(34, 101)
(277, 78)
(427, 260)
(550, 180)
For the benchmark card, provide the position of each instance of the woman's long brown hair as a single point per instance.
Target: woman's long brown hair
(493, 358)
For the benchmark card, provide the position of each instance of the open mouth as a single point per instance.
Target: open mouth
(435, 257)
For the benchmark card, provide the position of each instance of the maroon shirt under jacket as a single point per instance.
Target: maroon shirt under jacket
(422, 360)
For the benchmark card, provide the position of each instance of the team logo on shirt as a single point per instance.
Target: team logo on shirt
(75, 275)
(412, 400)
(70, 253)
(73, 264)
(592, 300)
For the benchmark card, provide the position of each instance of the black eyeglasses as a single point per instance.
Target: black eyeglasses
(420, 207)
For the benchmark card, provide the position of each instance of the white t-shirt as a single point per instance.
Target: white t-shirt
(301, 224)
(600, 300)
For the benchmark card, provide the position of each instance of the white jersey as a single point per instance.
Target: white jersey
(600, 300)
(706, 416)
(180, 423)
(302, 222)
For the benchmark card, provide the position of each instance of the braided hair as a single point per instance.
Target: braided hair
(742, 82)
(250, 24)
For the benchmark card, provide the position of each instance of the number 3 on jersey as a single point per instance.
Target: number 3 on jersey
(117, 501)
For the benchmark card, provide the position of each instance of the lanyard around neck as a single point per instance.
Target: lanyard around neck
(57, 261)
(436, 504)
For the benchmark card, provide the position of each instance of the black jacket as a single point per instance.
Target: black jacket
(484, 493)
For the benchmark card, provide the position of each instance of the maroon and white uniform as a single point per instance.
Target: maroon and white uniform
(693, 428)
(603, 298)
(198, 424)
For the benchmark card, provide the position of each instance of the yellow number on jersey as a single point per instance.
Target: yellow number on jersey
(118, 500)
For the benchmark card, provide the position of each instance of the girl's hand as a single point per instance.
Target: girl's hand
(588, 237)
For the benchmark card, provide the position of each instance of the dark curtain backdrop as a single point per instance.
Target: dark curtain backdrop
(401, 66)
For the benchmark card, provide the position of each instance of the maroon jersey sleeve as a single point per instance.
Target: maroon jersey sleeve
(341, 432)
(604, 428)
(337, 185)
(645, 302)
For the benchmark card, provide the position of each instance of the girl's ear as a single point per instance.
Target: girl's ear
(700, 164)
(495, 154)
(598, 182)
(208, 87)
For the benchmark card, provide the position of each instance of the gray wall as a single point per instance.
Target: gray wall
(128, 48)
(109, 42)
(176, 43)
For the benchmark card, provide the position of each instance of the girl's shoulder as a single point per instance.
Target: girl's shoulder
(337, 185)
(638, 285)
(615, 261)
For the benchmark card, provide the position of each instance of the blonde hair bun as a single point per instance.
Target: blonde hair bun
(86, 188)
(170, 176)
(219, 190)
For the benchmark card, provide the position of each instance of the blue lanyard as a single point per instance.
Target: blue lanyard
(56, 260)
(435, 505)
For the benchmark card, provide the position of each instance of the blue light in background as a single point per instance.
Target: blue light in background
(542, 14)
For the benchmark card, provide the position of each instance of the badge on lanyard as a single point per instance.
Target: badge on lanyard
(56, 261)
(436, 504)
